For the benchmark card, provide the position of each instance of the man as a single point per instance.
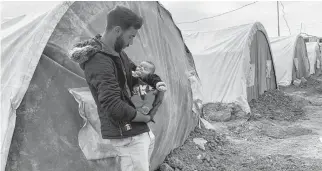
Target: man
(108, 72)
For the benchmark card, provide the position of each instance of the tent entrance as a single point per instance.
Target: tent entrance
(299, 71)
(260, 55)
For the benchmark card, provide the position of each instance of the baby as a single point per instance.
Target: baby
(147, 69)
(144, 70)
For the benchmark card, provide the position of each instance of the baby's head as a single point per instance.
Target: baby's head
(146, 68)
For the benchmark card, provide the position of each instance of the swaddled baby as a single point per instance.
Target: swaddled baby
(145, 69)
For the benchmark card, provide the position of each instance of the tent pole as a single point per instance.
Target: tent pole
(278, 19)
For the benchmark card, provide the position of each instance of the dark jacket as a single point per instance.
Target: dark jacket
(106, 80)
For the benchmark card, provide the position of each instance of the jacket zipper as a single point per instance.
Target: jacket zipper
(126, 86)
(124, 73)
(120, 129)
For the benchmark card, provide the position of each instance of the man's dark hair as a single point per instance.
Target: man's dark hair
(153, 69)
(123, 17)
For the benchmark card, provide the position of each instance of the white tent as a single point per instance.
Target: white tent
(290, 58)
(40, 119)
(234, 64)
(314, 56)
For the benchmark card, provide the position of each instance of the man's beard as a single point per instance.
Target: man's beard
(119, 44)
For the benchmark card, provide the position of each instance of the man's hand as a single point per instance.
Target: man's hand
(145, 110)
(140, 117)
(136, 74)
(161, 86)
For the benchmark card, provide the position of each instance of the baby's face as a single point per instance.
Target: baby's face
(145, 69)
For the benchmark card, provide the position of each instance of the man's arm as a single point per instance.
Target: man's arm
(102, 77)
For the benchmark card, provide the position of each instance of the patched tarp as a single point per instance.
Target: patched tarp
(234, 64)
(290, 57)
(314, 56)
(47, 118)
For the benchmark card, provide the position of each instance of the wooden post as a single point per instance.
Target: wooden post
(278, 19)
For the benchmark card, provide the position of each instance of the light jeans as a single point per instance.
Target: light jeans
(134, 152)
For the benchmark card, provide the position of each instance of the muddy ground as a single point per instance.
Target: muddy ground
(284, 133)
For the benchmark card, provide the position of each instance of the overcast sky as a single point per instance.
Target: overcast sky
(309, 13)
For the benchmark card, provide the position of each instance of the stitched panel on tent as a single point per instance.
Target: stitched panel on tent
(251, 75)
(268, 68)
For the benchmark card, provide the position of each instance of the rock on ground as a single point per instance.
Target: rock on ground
(165, 167)
(200, 142)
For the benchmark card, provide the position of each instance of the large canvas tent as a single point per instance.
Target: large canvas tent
(234, 64)
(314, 56)
(290, 57)
(40, 119)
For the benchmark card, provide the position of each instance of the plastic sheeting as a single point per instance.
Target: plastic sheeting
(228, 63)
(289, 55)
(314, 56)
(22, 42)
(48, 121)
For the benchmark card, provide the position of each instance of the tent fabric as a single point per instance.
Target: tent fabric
(8, 22)
(314, 57)
(232, 63)
(320, 44)
(48, 119)
(290, 57)
(189, 55)
(22, 43)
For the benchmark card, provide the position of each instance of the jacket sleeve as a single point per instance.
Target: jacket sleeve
(102, 76)
(152, 80)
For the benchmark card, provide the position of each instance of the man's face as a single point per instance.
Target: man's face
(125, 39)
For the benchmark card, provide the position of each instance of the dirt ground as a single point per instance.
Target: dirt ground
(284, 133)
